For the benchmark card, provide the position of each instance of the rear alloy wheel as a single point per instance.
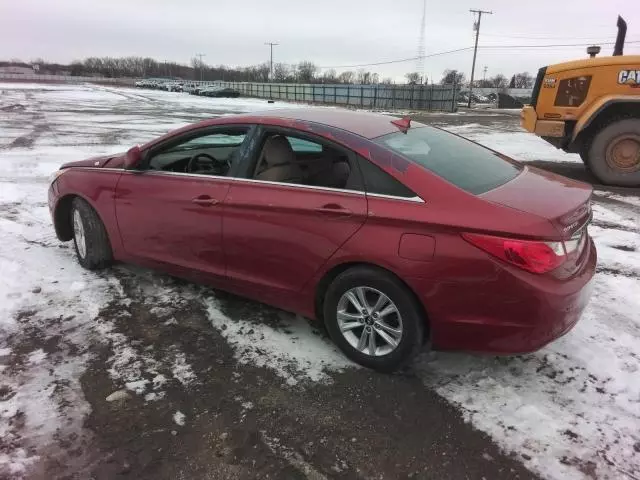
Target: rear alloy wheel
(89, 236)
(369, 321)
(373, 318)
(614, 154)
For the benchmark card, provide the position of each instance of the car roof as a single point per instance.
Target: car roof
(365, 124)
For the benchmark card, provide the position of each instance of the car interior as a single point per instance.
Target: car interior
(288, 159)
(205, 155)
(283, 159)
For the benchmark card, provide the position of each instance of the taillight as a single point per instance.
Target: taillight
(533, 256)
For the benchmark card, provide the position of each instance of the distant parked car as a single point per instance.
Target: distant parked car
(393, 234)
(191, 88)
(218, 91)
(173, 86)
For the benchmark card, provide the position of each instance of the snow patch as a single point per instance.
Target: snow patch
(179, 418)
(182, 371)
(294, 351)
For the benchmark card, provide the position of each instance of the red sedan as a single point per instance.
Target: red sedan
(393, 234)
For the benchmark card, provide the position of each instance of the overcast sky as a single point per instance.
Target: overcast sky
(327, 32)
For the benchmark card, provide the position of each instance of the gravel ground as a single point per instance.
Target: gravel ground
(129, 373)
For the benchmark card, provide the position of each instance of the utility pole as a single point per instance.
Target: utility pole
(271, 45)
(475, 48)
(200, 55)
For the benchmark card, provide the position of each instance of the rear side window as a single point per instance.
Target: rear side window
(299, 145)
(378, 181)
(465, 164)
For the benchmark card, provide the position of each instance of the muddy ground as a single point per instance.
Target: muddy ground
(243, 422)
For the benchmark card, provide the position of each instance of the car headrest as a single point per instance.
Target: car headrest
(278, 151)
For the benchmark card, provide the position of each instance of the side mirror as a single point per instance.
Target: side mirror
(132, 158)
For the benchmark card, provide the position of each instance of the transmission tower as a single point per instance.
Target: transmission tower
(421, 46)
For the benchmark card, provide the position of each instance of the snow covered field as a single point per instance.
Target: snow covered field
(571, 410)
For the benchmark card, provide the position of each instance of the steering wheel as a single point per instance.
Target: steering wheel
(211, 164)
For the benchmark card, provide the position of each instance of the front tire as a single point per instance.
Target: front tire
(614, 154)
(373, 318)
(90, 239)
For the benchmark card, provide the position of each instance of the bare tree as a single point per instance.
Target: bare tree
(330, 76)
(523, 80)
(499, 81)
(364, 77)
(346, 77)
(281, 72)
(450, 77)
(413, 78)
(306, 72)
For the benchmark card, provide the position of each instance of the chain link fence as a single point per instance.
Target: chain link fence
(376, 97)
(379, 96)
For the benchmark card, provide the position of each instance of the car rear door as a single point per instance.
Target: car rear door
(277, 235)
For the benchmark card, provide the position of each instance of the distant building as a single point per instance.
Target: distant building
(17, 70)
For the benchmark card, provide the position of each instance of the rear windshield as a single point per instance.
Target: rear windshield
(465, 164)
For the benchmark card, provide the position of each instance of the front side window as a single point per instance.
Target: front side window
(207, 154)
(461, 162)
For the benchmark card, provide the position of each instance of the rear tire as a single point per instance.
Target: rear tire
(398, 334)
(90, 239)
(614, 153)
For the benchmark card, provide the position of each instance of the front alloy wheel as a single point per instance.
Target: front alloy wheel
(78, 234)
(89, 236)
(369, 321)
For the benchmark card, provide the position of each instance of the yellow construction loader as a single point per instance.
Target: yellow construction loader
(592, 107)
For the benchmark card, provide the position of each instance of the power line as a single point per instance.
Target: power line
(554, 45)
(398, 61)
(411, 59)
(547, 37)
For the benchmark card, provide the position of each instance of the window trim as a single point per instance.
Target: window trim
(415, 199)
(143, 167)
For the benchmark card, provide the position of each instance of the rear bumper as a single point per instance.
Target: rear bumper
(512, 313)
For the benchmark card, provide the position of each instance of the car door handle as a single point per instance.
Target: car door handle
(204, 200)
(333, 209)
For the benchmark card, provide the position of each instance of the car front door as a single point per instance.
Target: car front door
(170, 209)
(278, 233)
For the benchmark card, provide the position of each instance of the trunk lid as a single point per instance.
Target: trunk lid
(562, 201)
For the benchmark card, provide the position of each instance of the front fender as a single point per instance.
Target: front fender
(97, 186)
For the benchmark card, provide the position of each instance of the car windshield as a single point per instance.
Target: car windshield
(467, 165)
